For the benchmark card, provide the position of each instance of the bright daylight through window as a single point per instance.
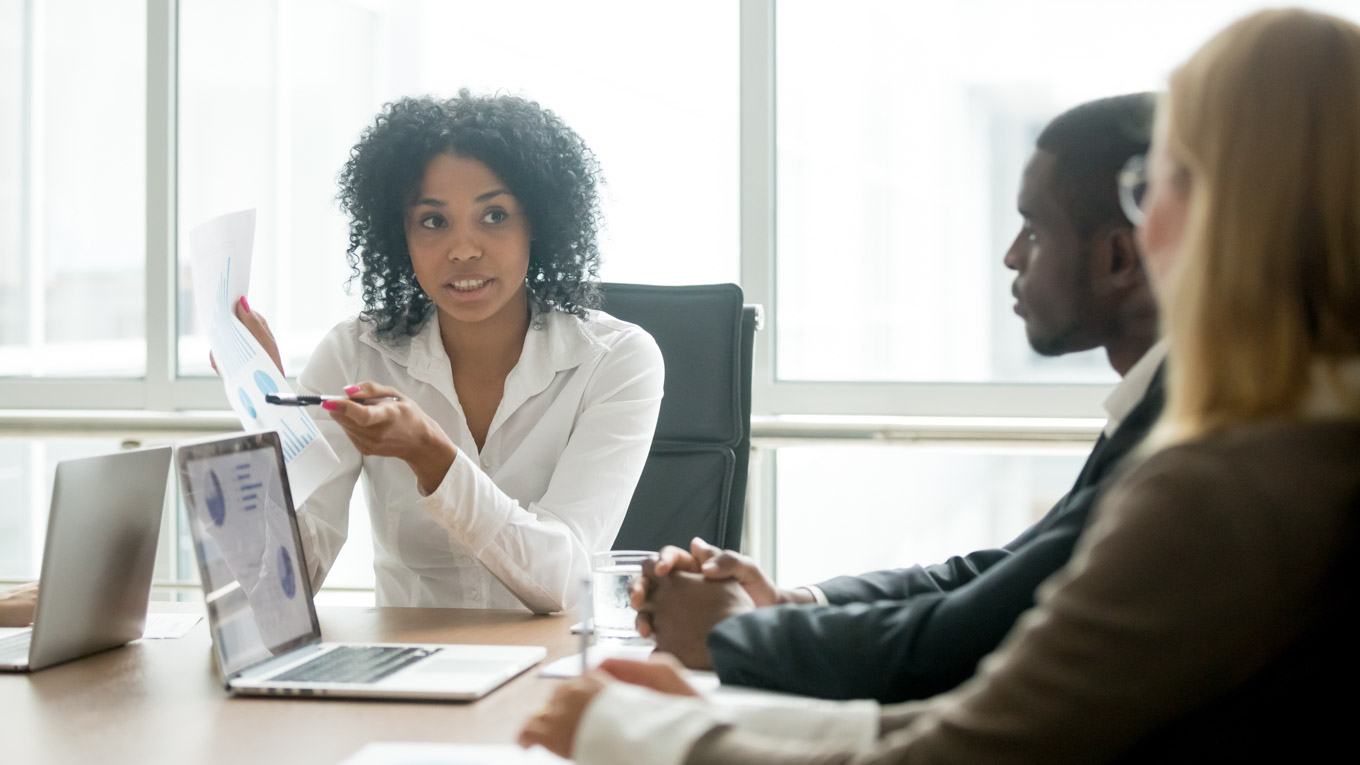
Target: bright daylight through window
(271, 129)
(897, 133)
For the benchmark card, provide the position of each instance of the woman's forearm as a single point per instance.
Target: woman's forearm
(431, 459)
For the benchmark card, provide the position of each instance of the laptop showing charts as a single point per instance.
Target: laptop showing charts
(97, 561)
(265, 633)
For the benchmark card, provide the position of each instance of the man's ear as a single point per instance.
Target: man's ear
(1115, 263)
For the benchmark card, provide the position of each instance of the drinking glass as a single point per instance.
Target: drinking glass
(612, 575)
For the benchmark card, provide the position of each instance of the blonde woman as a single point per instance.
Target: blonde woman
(1204, 614)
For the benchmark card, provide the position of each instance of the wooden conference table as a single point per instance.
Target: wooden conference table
(159, 701)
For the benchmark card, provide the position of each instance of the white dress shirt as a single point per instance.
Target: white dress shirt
(512, 525)
(1130, 390)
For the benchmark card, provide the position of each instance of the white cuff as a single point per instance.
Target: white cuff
(853, 724)
(467, 504)
(817, 594)
(625, 721)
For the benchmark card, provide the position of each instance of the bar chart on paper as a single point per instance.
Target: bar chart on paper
(226, 334)
(295, 428)
(221, 270)
(293, 441)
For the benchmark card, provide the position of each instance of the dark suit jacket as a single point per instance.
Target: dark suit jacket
(911, 633)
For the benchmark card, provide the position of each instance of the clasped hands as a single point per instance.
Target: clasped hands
(683, 595)
(679, 599)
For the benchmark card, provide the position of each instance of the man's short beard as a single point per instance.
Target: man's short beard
(1060, 343)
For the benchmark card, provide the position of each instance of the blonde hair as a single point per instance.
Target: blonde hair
(1265, 123)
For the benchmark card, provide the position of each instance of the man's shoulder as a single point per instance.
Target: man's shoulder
(1107, 461)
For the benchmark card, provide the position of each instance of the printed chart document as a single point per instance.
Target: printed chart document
(221, 250)
(394, 753)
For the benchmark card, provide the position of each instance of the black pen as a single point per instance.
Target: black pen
(274, 398)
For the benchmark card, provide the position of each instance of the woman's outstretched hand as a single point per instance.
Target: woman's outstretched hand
(383, 423)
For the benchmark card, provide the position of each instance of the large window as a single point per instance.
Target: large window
(72, 188)
(902, 132)
(852, 164)
(272, 95)
(895, 132)
(852, 508)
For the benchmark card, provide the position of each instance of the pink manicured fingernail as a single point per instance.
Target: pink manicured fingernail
(329, 405)
(351, 390)
(244, 304)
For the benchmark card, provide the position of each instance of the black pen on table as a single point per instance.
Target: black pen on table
(274, 398)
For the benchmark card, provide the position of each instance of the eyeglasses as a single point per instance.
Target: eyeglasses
(1133, 183)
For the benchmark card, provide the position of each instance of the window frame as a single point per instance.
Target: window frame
(773, 397)
(162, 390)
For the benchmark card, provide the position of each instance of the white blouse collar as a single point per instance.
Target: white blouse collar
(561, 342)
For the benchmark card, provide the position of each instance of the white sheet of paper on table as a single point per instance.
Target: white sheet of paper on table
(221, 253)
(169, 626)
(412, 753)
(570, 666)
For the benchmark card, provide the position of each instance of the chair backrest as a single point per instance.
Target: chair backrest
(694, 482)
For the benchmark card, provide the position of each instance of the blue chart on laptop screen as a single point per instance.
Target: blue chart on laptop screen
(254, 579)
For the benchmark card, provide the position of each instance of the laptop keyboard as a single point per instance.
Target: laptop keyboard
(354, 664)
(14, 648)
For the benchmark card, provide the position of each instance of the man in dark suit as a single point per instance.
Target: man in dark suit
(911, 633)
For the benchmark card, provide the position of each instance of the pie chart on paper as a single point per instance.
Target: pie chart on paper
(247, 403)
(266, 383)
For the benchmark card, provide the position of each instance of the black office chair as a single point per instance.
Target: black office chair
(694, 482)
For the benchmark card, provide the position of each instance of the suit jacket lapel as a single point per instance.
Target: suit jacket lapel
(1131, 432)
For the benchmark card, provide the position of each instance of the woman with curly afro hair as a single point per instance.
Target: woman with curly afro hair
(500, 421)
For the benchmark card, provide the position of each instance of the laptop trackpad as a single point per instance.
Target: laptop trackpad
(469, 669)
(473, 668)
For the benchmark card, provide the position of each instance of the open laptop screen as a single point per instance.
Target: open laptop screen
(254, 578)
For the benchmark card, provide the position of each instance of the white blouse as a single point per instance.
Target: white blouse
(512, 525)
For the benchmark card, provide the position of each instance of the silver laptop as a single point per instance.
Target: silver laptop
(96, 569)
(264, 628)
